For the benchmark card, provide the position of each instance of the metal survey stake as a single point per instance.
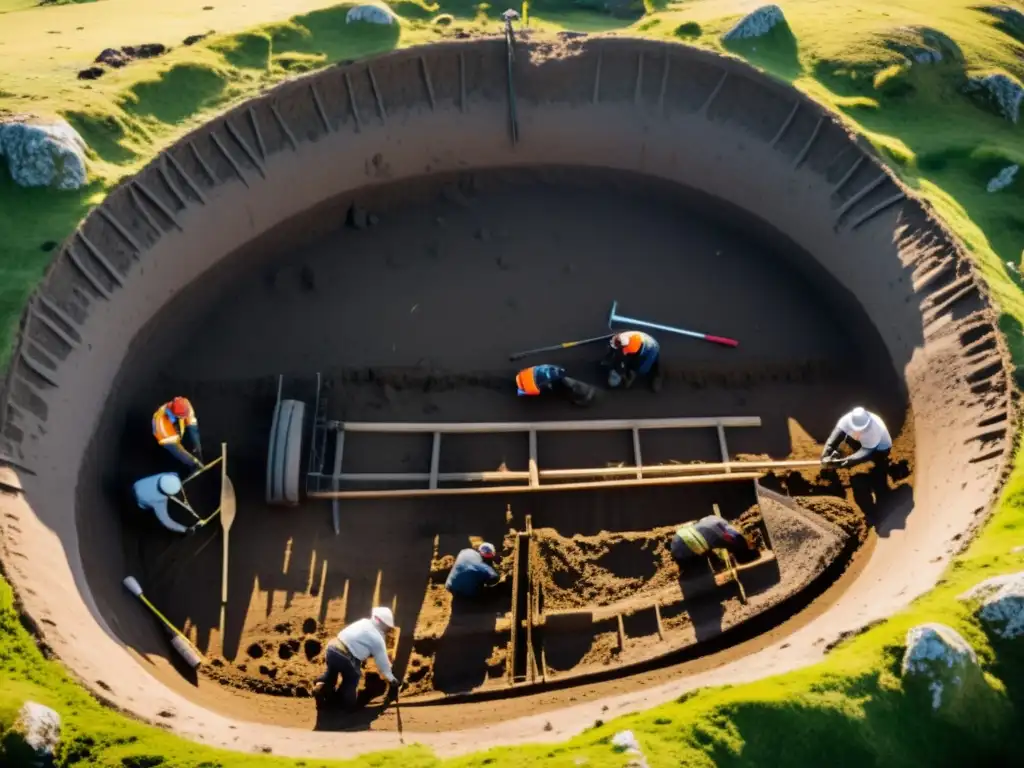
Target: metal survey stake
(615, 318)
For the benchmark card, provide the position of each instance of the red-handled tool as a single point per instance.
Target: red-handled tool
(614, 318)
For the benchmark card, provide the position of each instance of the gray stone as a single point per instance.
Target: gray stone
(1003, 179)
(945, 664)
(374, 14)
(625, 741)
(36, 733)
(756, 23)
(1001, 604)
(44, 154)
(1003, 90)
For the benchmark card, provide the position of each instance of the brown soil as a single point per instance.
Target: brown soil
(297, 585)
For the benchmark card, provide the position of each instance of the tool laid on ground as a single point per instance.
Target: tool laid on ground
(227, 518)
(563, 345)
(181, 644)
(616, 318)
(726, 557)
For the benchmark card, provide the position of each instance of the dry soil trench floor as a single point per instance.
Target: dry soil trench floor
(410, 316)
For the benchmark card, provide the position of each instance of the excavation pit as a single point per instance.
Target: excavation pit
(404, 257)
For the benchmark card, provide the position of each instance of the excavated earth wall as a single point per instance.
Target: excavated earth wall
(682, 115)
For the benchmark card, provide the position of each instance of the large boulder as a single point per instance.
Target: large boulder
(1001, 90)
(374, 14)
(938, 661)
(33, 738)
(756, 23)
(1001, 606)
(44, 154)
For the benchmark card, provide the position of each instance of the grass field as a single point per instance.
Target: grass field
(849, 710)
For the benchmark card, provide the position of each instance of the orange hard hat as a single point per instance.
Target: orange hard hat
(179, 407)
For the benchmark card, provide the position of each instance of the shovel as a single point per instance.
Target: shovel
(227, 518)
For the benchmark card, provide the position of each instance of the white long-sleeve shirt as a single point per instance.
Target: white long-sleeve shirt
(363, 640)
(874, 437)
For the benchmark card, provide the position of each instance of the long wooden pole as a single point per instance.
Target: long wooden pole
(419, 492)
(596, 425)
(568, 474)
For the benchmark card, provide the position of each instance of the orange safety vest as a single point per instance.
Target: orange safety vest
(633, 344)
(526, 382)
(167, 428)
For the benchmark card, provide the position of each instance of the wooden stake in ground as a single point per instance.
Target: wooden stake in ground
(227, 518)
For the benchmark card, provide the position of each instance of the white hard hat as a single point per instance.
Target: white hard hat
(486, 550)
(384, 616)
(859, 419)
(169, 484)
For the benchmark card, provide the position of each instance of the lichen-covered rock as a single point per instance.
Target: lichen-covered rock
(374, 14)
(1002, 603)
(1003, 179)
(1005, 92)
(1013, 20)
(625, 741)
(33, 738)
(756, 23)
(940, 661)
(44, 154)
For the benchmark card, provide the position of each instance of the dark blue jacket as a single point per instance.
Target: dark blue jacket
(470, 574)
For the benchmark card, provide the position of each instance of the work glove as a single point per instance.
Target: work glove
(829, 457)
(842, 463)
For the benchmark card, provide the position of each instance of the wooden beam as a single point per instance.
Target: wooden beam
(600, 484)
(533, 473)
(595, 425)
(637, 457)
(339, 452)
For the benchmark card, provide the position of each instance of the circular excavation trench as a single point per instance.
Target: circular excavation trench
(688, 187)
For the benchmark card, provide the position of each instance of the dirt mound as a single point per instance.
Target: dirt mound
(577, 571)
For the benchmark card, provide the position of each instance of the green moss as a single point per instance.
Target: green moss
(688, 30)
(178, 94)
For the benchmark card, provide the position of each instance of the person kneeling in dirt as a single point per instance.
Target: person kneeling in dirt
(154, 493)
(346, 653)
(633, 354)
(696, 540)
(871, 434)
(472, 572)
(171, 422)
(539, 379)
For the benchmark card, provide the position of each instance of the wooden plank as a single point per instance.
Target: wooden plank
(320, 107)
(409, 493)
(622, 632)
(156, 201)
(534, 475)
(657, 618)
(427, 82)
(55, 329)
(352, 102)
(595, 425)
(115, 275)
(637, 457)
(188, 179)
(142, 209)
(120, 228)
(227, 156)
(284, 126)
(87, 274)
(205, 166)
(568, 474)
(245, 147)
(785, 125)
(256, 130)
(435, 459)
(339, 451)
